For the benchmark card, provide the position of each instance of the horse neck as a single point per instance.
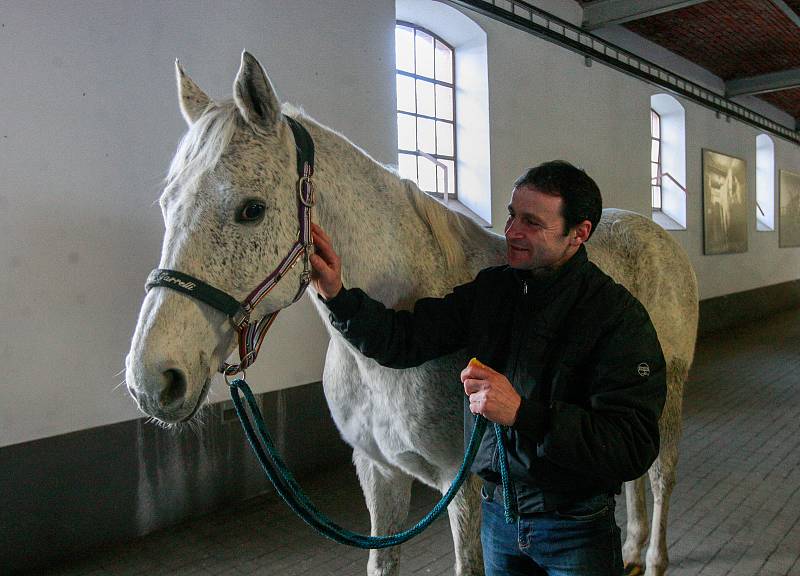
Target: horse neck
(386, 247)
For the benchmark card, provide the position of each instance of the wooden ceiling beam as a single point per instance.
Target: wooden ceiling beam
(786, 9)
(763, 83)
(604, 12)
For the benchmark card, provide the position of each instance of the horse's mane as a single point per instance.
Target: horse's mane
(449, 229)
(202, 145)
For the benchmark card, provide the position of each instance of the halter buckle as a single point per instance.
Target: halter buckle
(239, 319)
(305, 183)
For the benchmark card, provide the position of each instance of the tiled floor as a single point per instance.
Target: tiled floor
(736, 509)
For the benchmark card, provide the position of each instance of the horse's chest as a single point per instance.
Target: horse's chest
(383, 411)
(367, 404)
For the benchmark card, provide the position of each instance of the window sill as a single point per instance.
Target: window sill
(761, 227)
(666, 222)
(457, 206)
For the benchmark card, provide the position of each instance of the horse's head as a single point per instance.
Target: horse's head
(230, 212)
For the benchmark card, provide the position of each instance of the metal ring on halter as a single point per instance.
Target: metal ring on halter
(244, 360)
(233, 369)
(308, 203)
(229, 376)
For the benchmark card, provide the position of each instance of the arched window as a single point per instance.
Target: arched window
(438, 26)
(668, 161)
(765, 183)
(426, 139)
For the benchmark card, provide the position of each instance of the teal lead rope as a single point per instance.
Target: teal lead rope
(291, 492)
(509, 498)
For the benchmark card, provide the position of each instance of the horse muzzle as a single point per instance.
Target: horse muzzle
(166, 392)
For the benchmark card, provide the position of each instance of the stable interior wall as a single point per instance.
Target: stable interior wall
(90, 121)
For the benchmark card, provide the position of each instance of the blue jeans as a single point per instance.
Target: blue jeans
(581, 539)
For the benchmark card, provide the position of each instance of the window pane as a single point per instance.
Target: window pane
(444, 138)
(451, 172)
(424, 53)
(655, 124)
(407, 166)
(444, 102)
(656, 197)
(653, 172)
(426, 135)
(405, 94)
(427, 174)
(444, 63)
(654, 149)
(404, 48)
(425, 98)
(406, 132)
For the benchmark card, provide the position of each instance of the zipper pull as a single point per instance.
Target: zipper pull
(525, 287)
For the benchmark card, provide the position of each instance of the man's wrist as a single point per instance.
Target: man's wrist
(334, 294)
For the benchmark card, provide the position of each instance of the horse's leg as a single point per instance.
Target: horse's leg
(387, 491)
(663, 471)
(465, 524)
(638, 528)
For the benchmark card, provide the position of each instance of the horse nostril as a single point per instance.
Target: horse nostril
(173, 388)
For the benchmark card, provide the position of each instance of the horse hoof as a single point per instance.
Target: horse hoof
(633, 570)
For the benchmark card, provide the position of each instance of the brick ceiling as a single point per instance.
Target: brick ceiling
(732, 39)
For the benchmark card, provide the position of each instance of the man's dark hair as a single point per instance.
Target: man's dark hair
(580, 194)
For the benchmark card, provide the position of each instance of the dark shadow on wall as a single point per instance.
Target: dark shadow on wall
(66, 495)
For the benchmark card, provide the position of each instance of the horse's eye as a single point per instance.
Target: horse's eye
(252, 211)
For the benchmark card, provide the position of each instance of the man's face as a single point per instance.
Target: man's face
(535, 231)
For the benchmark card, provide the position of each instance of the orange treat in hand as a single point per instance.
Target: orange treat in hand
(475, 362)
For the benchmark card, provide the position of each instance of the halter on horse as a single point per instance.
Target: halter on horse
(251, 334)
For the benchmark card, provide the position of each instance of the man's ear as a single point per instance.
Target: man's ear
(580, 233)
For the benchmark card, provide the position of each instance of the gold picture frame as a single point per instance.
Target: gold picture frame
(724, 203)
(789, 215)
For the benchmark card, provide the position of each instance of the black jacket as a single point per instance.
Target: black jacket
(578, 348)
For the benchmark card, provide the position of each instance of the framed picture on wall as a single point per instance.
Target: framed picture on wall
(789, 223)
(724, 203)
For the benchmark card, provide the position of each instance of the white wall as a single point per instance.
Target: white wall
(90, 120)
(88, 124)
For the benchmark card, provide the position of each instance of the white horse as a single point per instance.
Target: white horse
(397, 244)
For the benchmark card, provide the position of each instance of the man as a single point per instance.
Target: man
(571, 364)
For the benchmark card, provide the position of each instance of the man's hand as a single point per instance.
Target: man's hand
(490, 393)
(326, 274)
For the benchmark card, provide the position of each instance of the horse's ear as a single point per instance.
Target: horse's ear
(254, 95)
(193, 100)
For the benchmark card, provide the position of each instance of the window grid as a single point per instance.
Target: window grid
(655, 160)
(433, 133)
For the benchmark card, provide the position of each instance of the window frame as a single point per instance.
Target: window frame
(452, 179)
(765, 143)
(672, 158)
(655, 182)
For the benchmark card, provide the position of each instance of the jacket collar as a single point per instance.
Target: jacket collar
(540, 281)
